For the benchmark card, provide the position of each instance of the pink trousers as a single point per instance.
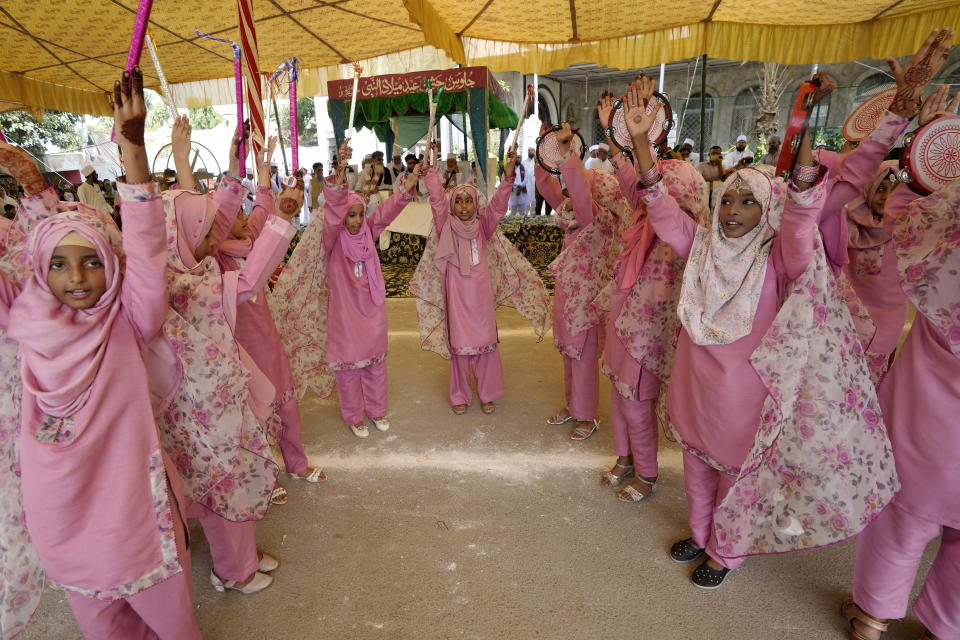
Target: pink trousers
(163, 611)
(888, 556)
(489, 374)
(580, 380)
(706, 488)
(291, 442)
(233, 545)
(635, 432)
(363, 392)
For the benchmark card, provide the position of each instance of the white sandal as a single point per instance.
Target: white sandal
(382, 424)
(267, 562)
(629, 494)
(260, 582)
(360, 430)
(314, 476)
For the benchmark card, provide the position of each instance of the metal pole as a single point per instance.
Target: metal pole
(283, 153)
(703, 104)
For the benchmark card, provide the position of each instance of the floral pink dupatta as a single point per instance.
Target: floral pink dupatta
(207, 425)
(927, 240)
(515, 284)
(821, 467)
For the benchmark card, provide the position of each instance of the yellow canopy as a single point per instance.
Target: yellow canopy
(66, 56)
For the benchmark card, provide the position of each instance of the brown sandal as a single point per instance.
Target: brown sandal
(488, 407)
(851, 611)
(459, 409)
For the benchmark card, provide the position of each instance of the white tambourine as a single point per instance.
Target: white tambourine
(931, 155)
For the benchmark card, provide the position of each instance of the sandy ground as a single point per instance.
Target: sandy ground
(492, 527)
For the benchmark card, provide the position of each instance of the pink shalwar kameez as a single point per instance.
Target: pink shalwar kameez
(469, 301)
(715, 395)
(256, 331)
(356, 325)
(920, 397)
(581, 350)
(101, 498)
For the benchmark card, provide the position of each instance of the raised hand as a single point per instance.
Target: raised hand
(638, 115)
(235, 159)
(263, 162)
(511, 163)
(937, 105)
(21, 166)
(413, 177)
(343, 161)
(564, 137)
(922, 67)
(604, 107)
(129, 117)
(825, 86)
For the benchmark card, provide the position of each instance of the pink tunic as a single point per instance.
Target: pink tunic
(106, 531)
(255, 329)
(356, 328)
(715, 395)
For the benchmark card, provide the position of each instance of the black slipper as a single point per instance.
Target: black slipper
(706, 577)
(685, 551)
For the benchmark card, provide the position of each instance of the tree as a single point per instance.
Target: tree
(773, 81)
(204, 117)
(59, 129)
(306, 122)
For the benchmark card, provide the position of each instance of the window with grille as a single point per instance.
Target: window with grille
(690, 127)
(869, 86)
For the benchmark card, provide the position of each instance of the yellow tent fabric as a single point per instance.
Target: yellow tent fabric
(68, 59)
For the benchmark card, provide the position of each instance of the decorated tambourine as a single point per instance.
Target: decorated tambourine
(864, 118)
(931, 155)
(203, 162)
(797, 126)
(618, 132)
(549, 155)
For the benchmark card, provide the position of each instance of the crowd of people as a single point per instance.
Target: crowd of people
(759, 332)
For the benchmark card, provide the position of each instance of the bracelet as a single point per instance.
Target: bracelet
(806, 174)
(650, 178)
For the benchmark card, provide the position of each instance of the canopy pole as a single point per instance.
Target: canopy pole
(703, 105)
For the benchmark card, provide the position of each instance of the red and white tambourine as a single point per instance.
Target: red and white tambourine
(549, 155)
(796, 127)
(618, 132)
(931, 155)
(864, 118)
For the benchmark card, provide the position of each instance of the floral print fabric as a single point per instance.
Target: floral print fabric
(299, 307)
(927, 239)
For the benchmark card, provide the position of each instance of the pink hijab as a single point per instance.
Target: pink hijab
(866, 234)
(456, 236)
(195, 216)
(724, 276)
(62, 348)
(360, 248)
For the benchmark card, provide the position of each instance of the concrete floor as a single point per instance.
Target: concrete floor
(492, 527)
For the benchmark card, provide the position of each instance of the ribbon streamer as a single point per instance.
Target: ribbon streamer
(357, 70)
(163, 79)
(292, 67)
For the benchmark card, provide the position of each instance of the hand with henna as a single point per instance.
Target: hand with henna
(263, 162)
(129, 116)
(922, 67)
(21, 166)
(639, 119)
(235, 159)
(937, 105)
(343, 158)
(825, 86)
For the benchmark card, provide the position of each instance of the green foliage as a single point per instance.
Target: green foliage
(832, 138)
(306, 121)
(59, 129)
(204, 117)
(157, 112)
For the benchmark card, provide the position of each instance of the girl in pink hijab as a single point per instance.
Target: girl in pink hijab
(769, 394)
(216, 413)
(356, 348)
(920, 398)
(100, 495)
(464, 272)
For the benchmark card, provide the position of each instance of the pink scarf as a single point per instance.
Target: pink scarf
(62, 348)
(457, 235)
(359, 248)
(866, 234)
(724, 276)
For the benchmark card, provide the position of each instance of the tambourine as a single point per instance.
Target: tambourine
(617, 129)
(931, 155)
(796, 127)
(549, 155)
(864, 118)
